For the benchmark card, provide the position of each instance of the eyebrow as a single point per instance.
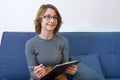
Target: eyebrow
(50, 14)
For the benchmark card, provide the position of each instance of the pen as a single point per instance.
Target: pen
(31, 66)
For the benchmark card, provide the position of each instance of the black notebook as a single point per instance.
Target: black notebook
(58, 69)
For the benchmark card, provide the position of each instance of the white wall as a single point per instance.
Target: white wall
(78, 15)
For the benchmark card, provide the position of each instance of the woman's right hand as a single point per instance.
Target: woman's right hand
(39, 71)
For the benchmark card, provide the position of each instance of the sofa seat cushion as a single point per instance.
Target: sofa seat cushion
(13, 68)
(91, 61)
(112, 79)
(1, 68)
(110, 65)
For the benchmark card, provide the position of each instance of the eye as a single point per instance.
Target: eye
(55, 17)
(47, 16)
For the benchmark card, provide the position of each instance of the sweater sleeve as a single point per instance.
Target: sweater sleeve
(30, 57)
(65, 50)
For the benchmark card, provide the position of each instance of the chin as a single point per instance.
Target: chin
(51, 28)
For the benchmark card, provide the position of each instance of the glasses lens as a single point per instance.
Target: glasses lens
(48, 17)
(55, 17)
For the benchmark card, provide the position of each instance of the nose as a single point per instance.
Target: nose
(52, 19)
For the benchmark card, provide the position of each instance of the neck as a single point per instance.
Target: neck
(46, 36)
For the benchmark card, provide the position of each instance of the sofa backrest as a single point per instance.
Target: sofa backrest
(12, 56)
(104, 44)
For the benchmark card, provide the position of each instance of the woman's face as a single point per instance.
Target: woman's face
(49, 20)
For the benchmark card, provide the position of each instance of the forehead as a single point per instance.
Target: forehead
(50, 11)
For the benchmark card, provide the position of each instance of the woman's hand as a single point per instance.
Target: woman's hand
(39, 71)
(71, 69)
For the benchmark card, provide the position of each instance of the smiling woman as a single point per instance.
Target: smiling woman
(49, 48)
(47, 23)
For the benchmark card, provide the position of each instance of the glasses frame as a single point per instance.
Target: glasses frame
(48, 17)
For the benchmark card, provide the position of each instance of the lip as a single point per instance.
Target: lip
(51, 24)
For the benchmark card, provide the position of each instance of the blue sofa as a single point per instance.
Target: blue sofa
(98, 50)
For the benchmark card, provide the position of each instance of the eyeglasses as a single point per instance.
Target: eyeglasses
(48, 17)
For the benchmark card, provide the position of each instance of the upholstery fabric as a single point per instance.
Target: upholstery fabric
(99, 50)
(13, 68)
(111, 65)
(92, 61)
(112, 79)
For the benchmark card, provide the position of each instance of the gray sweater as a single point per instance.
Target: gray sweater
(46, 52)
(52, 52)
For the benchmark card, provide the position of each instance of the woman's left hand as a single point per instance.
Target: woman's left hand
(71, 69)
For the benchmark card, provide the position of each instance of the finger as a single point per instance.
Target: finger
(72, 67)
(41, 74)
(40, 70)
(38, 67)
(70, 72)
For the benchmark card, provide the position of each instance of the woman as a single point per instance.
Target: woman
(47, 48)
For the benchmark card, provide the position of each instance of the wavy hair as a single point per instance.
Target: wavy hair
(39, 15)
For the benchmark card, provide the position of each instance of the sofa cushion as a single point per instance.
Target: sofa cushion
(112, 79)
(92, 61)
(14, 43)
(13, 68)
(76, 39)
(110, 65)
(1, 69)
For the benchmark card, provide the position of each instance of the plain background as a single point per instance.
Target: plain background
(78, 15)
